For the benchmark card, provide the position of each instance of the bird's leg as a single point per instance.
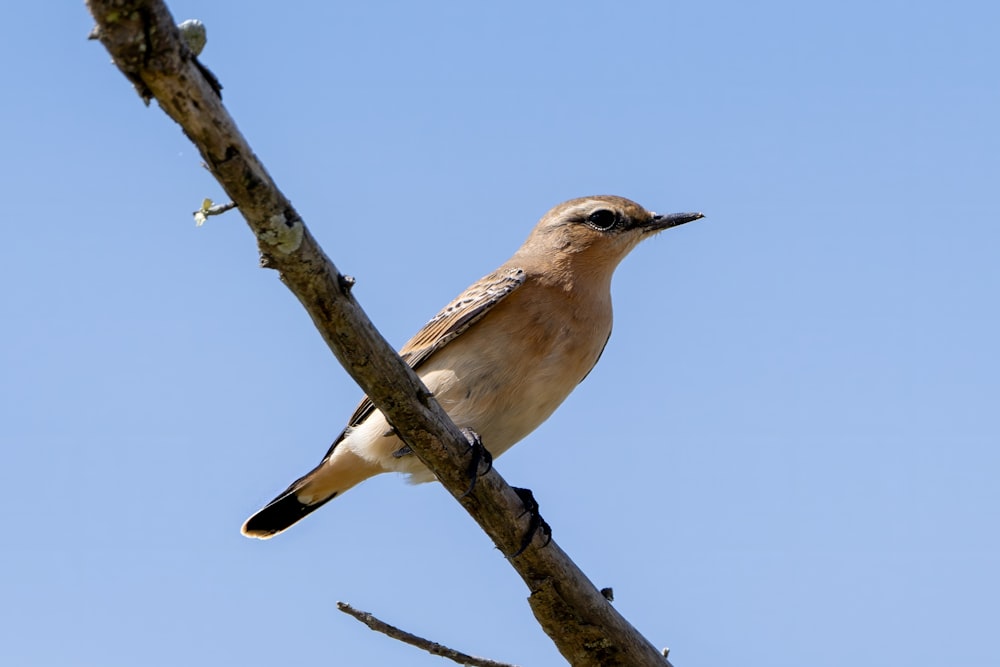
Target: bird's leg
(535, 522)
(479, 456)
(402, 451)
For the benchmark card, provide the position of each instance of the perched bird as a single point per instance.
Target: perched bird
(501, 357)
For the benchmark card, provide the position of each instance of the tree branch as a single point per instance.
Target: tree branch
(413, 640)
(145, 44)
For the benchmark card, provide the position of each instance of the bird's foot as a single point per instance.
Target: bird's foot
(535, 522)
(480, 457)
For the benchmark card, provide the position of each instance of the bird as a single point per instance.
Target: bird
(501, 357)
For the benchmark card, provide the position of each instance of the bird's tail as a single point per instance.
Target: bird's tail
(336, 474)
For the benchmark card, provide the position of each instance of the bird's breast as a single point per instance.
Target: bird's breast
(508, 373)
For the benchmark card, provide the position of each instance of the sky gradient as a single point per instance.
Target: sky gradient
(787, 455)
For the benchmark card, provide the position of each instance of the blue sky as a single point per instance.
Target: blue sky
(787, 455)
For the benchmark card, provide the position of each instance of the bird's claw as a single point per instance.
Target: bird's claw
(535, 522)
(479, 456)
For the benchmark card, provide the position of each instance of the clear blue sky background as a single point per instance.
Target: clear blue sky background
(788, 455)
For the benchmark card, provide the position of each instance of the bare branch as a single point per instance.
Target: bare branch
(145, 44)
(413, 640)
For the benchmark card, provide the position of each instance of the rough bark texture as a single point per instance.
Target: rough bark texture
(146, 46)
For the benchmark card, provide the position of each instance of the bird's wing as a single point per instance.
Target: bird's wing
(454, 319)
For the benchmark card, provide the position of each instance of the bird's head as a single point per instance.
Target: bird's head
(596, 233)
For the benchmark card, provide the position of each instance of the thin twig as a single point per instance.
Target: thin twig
(413, 640)
(209, 208)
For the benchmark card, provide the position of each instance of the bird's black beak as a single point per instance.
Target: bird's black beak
(660, 222)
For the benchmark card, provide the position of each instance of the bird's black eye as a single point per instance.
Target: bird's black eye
(602, 219)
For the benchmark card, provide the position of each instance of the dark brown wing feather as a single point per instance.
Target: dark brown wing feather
(454, 320)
